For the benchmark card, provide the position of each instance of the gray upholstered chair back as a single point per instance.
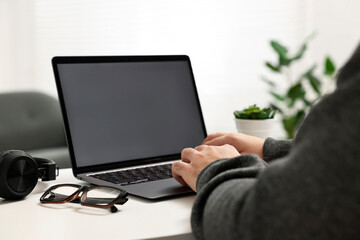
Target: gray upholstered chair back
(30, 120)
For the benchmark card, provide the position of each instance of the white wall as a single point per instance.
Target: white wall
(226, 40)
(17, 50)
(336, 23)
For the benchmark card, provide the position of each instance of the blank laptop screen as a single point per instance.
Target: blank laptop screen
(121, 111)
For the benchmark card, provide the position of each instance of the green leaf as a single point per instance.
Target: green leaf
(296, 91)
(303, 47)
(236, 114)
(329, 67)
(276, 108)
(279, 49)
(252, 108)
(272, 113)
(241, 115)
(310, 71)
(313, 80)
(292, 123)
(254, 112)
(299, 117)
(282, 53)
(244, 116)
(272, 67)
(307, 102)
(300, 53)
(254, 115)
(284, 61)
(315, 83)
(291, 103)
(268, 81)
(289, 126)
(277, 96)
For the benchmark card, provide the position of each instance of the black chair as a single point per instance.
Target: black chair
(32, 122)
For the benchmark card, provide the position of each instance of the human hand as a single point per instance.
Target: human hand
(242, 142)
(193, 160)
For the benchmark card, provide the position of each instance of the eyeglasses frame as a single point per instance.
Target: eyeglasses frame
(121, 199)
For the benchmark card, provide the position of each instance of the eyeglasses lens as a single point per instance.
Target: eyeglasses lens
(61, 193)
(101, 196)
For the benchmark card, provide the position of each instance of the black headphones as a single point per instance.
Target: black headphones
(19, 173)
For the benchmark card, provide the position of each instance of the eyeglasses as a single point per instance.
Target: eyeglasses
(97, 196)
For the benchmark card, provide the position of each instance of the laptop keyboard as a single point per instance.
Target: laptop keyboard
(138, 175)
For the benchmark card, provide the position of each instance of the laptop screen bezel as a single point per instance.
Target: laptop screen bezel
(113, 59)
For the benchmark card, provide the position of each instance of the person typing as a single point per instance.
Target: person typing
(306, 188)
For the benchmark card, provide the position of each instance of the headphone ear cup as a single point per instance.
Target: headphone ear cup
(18, 174)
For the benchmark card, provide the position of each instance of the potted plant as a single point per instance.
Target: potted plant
(294, 95)
(255, 121)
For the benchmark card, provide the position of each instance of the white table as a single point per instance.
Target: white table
(137, 219)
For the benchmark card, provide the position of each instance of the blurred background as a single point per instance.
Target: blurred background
(227, 41)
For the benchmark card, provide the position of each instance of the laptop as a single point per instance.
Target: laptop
(127, 118)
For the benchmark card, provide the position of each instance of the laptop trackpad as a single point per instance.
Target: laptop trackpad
(157, 189)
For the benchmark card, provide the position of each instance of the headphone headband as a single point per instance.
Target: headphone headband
(47, 169)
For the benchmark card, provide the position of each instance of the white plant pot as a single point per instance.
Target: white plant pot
(255, 127)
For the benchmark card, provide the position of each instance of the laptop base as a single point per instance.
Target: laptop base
(149, 190)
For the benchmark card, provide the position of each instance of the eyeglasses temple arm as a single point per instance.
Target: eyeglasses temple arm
(113, 209)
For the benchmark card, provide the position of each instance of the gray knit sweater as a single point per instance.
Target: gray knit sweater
(311, 191)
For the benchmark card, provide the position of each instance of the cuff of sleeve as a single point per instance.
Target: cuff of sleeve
(200, 182)
(247, 161)
(274, 149)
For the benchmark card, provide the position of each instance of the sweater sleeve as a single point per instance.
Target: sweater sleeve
(274, 149)
(301, 196)
(212, 187)
(312, 192)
